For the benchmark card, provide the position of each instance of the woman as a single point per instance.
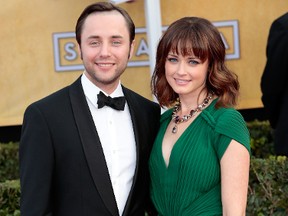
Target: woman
(199, 164)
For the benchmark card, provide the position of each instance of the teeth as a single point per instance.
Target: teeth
(105, 64)
(181, 81)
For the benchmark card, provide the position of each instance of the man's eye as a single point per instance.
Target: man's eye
(94, 43)
(116, 42)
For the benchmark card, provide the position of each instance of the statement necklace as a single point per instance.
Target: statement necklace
(177, 120)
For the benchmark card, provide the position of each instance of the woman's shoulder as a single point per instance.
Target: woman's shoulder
(229, 122)
(167, 114)
(222, 114)
(225, 119)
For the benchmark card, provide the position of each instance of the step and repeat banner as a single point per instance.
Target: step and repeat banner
(39, 54)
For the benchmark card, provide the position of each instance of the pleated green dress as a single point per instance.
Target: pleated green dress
(190, 185)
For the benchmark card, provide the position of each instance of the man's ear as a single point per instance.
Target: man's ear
(79, 49)
(131, 49)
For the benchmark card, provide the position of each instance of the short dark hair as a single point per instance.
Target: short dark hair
(198, 36)
(103, 7)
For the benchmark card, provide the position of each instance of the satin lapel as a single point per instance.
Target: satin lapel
(92, 146)
(136, 119)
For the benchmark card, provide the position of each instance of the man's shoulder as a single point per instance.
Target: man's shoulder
(281, 22)
(57, 96)
(130, 94)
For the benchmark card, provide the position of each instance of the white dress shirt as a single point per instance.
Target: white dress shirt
(116, 134)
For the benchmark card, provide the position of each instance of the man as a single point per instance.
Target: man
(274, 83)
(78, 156)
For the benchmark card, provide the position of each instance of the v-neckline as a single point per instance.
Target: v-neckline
(180, 137)
(167, 166)
(176, 142)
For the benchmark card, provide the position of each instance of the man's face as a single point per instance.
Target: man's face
(105, 48)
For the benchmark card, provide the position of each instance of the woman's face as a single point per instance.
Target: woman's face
(185, 74)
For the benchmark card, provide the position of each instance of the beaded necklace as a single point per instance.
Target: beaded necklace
(177, 120)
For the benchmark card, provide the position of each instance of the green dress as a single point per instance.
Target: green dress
(190, 185)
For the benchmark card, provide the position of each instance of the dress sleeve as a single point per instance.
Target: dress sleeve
(230, 126)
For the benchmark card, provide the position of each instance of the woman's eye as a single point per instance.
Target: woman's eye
(172, 59)
(194, 62)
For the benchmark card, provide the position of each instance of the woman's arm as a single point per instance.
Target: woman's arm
(235, 165)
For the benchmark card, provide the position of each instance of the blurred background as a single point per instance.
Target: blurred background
(39, 54)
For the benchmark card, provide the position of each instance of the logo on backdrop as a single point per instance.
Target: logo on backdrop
(67, 57)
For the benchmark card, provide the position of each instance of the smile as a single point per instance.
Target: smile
(180, 81)
(105, 64)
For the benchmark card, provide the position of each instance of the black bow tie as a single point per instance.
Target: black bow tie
(117, 103)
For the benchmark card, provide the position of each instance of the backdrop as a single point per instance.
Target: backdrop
(38, 52)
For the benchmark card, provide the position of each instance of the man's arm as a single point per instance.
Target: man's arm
(36, 164)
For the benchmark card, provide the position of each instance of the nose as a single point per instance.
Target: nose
(181, 69)
(105, 50)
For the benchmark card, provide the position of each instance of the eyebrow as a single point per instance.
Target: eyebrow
(172, 54)
(97, 37)
(117, 36)
(189, 56)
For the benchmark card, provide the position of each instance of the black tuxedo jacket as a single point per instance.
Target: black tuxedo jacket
(274, 83)
(275, 76)
(62, 165)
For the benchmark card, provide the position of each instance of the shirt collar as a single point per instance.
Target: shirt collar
(91, 91)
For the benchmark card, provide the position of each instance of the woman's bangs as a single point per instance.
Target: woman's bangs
(187, 44)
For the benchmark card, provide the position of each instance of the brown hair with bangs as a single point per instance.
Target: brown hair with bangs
(198, 36)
